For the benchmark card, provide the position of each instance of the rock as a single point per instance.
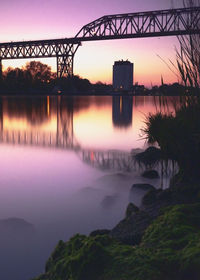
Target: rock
(116, 181)
(150, 174)
(149, 158)
(169, 250)
(144, 187)
(139, 189)
(155, 200)
(131, 209)
(150, 197)
(15, 224)
(15, 228)
(131, 229)
(100, 232)
(108, 201)
(152, 204)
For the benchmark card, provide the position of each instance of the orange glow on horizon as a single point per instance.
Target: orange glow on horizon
(94, 60)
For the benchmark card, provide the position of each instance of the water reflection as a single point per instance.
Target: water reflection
(49, 146)
(51, 122)
(48, 122)
(122, 107)
(38, 122)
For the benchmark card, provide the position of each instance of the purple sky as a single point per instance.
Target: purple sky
(41, 19)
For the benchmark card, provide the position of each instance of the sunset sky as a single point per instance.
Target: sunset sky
(49, 19)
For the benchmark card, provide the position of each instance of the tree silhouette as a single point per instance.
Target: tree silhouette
(40, 73)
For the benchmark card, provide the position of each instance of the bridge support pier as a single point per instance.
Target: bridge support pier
(65, 62)
(0, 69)
(65, 66)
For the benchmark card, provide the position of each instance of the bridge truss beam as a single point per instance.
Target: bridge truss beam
(145, 24)
(171, 22)
(63, 50)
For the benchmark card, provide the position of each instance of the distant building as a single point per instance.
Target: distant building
(123, 75)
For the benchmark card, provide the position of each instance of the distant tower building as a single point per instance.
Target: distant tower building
(123, 75)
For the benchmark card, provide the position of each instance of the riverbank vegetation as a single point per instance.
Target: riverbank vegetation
(178, 136)
(188, 54)
(37, 78)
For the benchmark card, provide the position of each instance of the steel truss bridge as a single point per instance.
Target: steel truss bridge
(185, 21)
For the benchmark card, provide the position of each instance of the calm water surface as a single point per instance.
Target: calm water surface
(55, 179)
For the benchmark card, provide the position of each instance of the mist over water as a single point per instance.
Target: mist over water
(55, 176)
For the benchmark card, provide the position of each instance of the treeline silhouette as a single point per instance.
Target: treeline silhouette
(36, 76)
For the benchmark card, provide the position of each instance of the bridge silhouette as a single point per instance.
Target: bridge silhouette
(171, 22)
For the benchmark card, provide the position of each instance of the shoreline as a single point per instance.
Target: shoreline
(134, 234)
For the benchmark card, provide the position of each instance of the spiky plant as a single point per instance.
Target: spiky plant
(178, 137)
(188, 54)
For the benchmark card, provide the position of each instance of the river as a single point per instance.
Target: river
(65, 169)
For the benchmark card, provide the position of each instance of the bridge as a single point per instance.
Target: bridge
(173, 22)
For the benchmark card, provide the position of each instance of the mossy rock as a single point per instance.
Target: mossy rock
(131, 209)
(150, 197)
(141, 188)
(170, 250)
(178, 231)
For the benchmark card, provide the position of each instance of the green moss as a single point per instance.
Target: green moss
(170, 250)
(190, 259)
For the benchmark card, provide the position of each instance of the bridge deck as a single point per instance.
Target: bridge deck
(121, 26)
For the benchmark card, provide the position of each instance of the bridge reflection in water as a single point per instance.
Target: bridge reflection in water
(25, 121)
(35, 114)
(110, 160)
(49, 122)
